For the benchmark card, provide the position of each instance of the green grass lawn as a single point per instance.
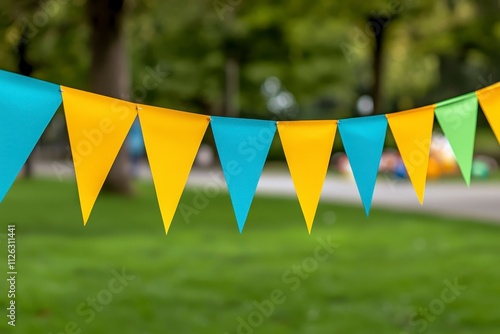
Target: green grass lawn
(389, 273)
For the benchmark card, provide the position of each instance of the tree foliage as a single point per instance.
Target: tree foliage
(321, 51)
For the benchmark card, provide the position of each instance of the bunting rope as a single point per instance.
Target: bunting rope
(98, 126)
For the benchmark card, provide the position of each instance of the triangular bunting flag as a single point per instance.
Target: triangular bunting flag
(308, 147)
(489, 98)
(172, 139)
(243, 145)
(26, 108)
(457, 118)
(97, 127)
(363, 140)
(412, 130)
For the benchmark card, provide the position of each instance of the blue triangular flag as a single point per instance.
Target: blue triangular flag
(26, 107)
(363, 140)
(243, 145)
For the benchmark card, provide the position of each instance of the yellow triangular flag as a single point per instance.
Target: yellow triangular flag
(412, 130)
(489, 99)
(308, 147)
(97, 127)
(172, 139)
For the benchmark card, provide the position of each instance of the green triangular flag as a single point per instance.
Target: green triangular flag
(458, 117)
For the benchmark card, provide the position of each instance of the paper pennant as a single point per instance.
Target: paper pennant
(458, 117)
(172, 139)
(412, 130)
(489, 98)
(243, 145)
(97, 127)
(308, 147)
(363, 140)
(26, 107)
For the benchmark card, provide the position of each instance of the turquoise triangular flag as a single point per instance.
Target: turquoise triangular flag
(26, 107)
(243, 145)
(363, 140)
(457, 118)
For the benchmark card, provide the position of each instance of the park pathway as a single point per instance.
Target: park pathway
(448, 198)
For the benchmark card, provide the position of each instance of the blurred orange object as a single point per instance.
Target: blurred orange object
(449, 166)
(434, 168)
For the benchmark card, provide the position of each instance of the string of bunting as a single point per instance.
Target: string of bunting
(98, 125)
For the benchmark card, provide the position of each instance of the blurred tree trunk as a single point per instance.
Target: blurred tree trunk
(25, 68)
(232, 87)
(378, 24)
(109, 74)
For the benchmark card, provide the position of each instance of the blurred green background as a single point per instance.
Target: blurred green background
(321, 51)
(295, 59)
